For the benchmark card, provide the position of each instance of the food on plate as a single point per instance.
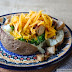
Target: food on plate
(7, 21)
(58, 39)
(40, 30)
(40, 57)
(27, 33)
(60, 25)
(51, 50)
(16, 46)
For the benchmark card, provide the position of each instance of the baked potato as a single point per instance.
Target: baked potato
(16, 46)
(59, 39)
(26, 34)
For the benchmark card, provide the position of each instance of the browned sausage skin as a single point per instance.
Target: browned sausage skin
(40, 30)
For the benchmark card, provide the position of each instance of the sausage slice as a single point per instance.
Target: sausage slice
(60, 25)
(40, 30)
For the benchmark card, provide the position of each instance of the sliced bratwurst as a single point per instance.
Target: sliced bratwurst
(40, 30)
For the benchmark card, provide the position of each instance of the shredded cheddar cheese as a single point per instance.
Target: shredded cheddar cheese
(25, 23)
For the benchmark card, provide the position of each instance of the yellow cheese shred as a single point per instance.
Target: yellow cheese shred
(50, 19)
(28, 22)
(24, 25)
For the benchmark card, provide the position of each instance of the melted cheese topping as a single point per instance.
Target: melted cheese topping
(25, 23)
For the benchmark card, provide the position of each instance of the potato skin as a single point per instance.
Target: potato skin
(58, 41)
(16, 46)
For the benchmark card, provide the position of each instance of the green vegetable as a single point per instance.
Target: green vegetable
(32, 41)
(37, 42)
(40, 39)
(21, 39)
(12, 27)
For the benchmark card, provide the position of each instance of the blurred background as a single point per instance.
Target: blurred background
(61, 9)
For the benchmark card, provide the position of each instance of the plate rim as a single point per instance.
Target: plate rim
(37, 66)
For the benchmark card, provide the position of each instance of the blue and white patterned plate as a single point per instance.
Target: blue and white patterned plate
(14, 61)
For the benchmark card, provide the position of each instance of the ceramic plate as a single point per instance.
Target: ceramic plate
(14, 61)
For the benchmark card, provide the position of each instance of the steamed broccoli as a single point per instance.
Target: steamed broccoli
(21, 39)
(12, 27)
(40, 39)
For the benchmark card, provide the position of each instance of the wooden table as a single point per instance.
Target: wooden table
(61, 9)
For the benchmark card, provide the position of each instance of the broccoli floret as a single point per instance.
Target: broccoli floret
(37, 42)
(41, 38)
(12, 27)
(34, 41)
(21, 39)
